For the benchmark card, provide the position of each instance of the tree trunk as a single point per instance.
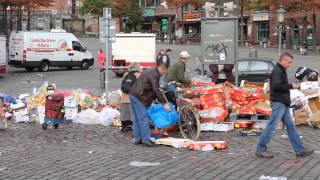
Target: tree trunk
(241, 26)
(19, 23)
(98, 26)
(314, 33)
(28, 21)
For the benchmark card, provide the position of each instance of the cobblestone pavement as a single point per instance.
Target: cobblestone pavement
(28, 152)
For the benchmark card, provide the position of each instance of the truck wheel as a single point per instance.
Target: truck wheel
(29, 69)
(44, 67)
(85, 65)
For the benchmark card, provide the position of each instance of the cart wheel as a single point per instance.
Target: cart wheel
(189, 124)
(44, 126)
(55, 126)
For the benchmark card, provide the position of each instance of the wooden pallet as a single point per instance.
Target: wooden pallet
(247, 117)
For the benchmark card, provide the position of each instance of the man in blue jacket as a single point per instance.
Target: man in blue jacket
(280, 102)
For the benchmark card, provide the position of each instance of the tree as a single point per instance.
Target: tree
(31, 5)
(123, 9)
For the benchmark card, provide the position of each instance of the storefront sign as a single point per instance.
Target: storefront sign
(260, 17)
(192, 16)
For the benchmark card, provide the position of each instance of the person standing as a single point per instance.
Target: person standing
(129, 79)
(216, 69)
(280, 102)
(176, 73)
(142, 94)
(101, 60)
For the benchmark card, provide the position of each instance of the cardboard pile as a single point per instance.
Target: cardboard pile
(306, 103)
(221, 106)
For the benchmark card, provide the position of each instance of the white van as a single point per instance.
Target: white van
(43, 50)
(133, 47)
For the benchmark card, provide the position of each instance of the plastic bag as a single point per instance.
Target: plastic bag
(107, 115)
(114, 98)
(88, 116)
(161, 118)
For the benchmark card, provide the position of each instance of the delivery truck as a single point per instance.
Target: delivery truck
(3, 55)
(42, 50)
(133, 47)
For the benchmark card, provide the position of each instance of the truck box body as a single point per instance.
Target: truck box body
(133, 47)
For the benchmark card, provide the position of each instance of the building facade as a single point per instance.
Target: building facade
(296, 31)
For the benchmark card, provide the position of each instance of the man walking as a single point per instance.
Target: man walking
(280, 101)
(144, 91)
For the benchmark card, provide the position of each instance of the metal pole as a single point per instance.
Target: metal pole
(236, 49)
(107, 52)
(280, 34)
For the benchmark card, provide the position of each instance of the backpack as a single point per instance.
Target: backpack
(128, 82)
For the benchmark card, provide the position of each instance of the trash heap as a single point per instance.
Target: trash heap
(79, 106)
(305, 104)
(224, 107)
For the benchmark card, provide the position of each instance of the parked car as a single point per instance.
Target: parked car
(253, 70)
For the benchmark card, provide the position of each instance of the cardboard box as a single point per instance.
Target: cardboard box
(314, 104)
(315, 120)
(300, 116)
(218, 127)
(174, 142)
(70, 113)
(70, 102)
(208, 145)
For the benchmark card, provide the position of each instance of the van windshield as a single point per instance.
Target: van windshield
(76, 46)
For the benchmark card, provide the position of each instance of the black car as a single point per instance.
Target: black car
(253, 70)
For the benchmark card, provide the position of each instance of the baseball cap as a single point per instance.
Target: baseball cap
(184, 54)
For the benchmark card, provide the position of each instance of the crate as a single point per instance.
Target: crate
(247, 117)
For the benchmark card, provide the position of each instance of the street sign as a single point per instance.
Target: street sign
(102, 30)
(219, 44)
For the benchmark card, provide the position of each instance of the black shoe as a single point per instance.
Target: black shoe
(137, 142)
(149, 144)
(55, 126)
(44, 126)
(306, 152)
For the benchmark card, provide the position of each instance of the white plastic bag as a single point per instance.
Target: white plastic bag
(107, 115)
(88, 116)
(114, 98)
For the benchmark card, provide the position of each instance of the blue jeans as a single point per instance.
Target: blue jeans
(280, 112)
(171, 94)
(140, 119)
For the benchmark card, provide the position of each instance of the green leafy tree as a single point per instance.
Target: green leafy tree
(128, 10)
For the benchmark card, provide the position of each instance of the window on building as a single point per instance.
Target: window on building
(196, 8)
(142, 3)
(186, 8)
(156, 3)
(263, 31)
(295, 38)
(149, 3)
(309, 35)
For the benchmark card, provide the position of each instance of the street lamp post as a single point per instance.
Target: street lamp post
(281, 12)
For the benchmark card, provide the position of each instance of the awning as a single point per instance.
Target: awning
(189, 21)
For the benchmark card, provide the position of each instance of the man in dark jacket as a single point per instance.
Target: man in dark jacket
(280, 102)
(143, 92)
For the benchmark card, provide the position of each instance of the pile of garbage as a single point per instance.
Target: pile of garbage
(224, 107)
(305, 105)
(79, 106)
